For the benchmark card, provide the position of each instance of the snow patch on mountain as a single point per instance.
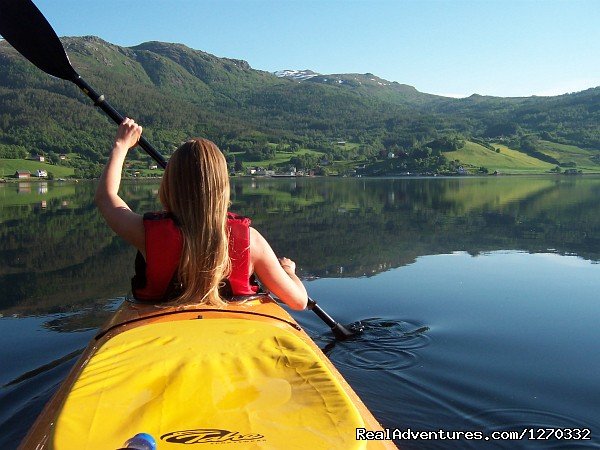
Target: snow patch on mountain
(299, 75)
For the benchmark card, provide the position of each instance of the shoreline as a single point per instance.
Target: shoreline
(10, 180)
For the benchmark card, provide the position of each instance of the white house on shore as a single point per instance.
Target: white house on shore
(260, 172)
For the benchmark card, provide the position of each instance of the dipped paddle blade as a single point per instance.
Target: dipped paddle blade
(339, 331)
(27, 30)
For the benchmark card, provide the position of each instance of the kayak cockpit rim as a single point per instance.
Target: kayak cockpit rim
(161, 310)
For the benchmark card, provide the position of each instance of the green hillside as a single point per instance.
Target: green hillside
(370, 85)
(177, 92)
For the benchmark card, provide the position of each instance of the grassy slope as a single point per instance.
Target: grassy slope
(8, 167)
(281, 159)
(510, 161)
(507, 161)
(570, 153)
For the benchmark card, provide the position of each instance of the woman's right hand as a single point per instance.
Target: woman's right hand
(287, 264)
(128, 134)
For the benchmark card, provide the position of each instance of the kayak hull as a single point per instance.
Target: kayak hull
(245, 375)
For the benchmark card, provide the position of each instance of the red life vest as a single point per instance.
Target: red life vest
(156, 276)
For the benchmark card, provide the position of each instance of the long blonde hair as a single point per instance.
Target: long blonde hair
(195, 189)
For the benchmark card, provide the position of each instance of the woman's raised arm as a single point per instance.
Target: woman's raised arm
(113, 208)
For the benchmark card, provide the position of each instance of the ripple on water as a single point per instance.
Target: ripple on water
(382, 344)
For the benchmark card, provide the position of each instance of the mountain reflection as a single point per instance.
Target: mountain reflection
(59, 256)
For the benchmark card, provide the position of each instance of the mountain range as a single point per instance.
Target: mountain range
(177, 92)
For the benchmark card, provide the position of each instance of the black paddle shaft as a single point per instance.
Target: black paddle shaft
(101, 103)
(27, 30)
(339, 331)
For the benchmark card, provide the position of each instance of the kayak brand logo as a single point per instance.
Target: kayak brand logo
(210, 436)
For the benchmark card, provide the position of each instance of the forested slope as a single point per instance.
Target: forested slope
(177, 92)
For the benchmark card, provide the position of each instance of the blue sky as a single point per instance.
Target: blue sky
(447, 47)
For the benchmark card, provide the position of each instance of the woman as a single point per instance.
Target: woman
(195, 193)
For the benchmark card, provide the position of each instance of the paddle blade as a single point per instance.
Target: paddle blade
(339, 331)
(27, 30)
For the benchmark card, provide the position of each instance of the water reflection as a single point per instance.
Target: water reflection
(331, 227)
(24, 188)
(497, 330)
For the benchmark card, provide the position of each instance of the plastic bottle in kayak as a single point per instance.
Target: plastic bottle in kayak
(141, 441)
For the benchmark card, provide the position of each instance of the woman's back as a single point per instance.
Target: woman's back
(195, 191)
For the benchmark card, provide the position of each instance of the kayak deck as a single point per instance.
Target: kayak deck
(244, 376)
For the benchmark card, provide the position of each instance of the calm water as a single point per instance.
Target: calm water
(478, 296)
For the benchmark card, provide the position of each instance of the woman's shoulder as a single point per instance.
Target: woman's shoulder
(255, 235)
(258, 244)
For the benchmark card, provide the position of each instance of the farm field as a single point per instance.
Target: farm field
(582, 158)
(507, 161)
(8, 167)
(510, 161)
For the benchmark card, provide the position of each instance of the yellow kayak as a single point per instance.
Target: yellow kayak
(245, 376)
